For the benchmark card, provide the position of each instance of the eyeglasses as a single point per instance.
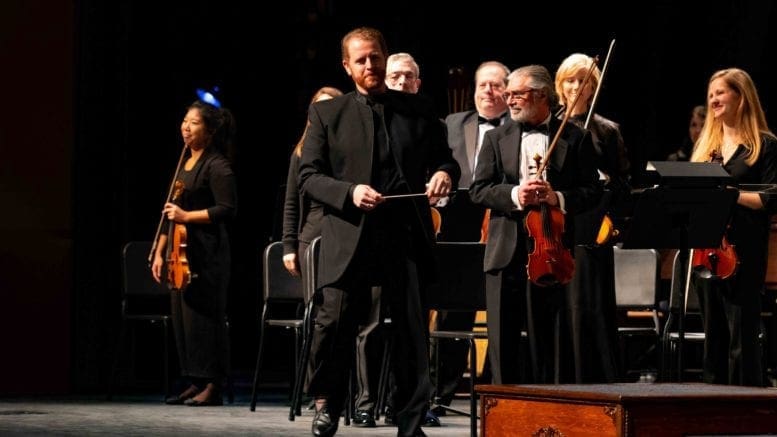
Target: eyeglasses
(508, 95)
(394, 77)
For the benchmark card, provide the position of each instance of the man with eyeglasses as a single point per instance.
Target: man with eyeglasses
(506, 181)
(402, 73)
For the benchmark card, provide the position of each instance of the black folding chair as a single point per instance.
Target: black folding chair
(311, 264)
(283, 295)
(461, 287)
(637, 280)
(142, 300)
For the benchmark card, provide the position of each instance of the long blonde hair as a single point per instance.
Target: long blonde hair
(328, 91)
(750, 119)
(568, 68)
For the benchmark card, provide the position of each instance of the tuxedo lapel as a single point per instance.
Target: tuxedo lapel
(470, 141)
(510, 151)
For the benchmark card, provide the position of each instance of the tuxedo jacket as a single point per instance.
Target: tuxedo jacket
(571, 171)
(337, 155)
(462, 139)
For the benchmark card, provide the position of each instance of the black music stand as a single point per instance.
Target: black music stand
(689, 207)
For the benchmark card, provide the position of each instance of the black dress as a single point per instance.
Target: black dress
(731, 309)
(592, 308)
(199, 312)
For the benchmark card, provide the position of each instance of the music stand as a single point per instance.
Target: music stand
(690, 207)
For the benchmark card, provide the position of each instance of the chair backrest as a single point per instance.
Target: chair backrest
(691, 302)
(278, 283)
(311, 268)
(461, 282)
(136, 272)
(637, 277)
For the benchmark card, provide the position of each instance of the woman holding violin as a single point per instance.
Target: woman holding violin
(506, 181)
(736, 129)
(207, 201)
(592, 305)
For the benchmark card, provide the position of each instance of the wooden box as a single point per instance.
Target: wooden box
(636, 409)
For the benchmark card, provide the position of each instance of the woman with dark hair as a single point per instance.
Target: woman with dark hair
(208, 201)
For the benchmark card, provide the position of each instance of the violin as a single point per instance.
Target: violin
(720, 261)
(550, 263)
(607, 231)
(436, 219)
(484, 226)
(178, 274)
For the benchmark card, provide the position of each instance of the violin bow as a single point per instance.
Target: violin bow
(169, 196)
(599, 85)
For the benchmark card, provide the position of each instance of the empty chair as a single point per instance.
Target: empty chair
(311, 267)
(460, 287)
(283, 300)
(637, 281)
(142, 300)
(683, 323)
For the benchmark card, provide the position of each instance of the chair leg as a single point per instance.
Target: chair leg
(473, 406)
(119, 345)
(297, 353)
(302, 364)
(349, 398)
(230, 382)
(383, 380)
(166, 333)
(258, 366)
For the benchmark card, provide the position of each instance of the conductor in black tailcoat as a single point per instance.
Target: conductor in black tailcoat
(361, 147)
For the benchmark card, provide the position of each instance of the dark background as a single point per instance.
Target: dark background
(94, 92)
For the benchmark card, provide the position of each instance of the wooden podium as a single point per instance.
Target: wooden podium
(636, 409)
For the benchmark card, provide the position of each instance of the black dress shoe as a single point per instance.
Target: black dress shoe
(175, 400)
(389, 418)
(431, 420)
(180, 399)
(439, 411)
(215, 401)
(324, 425)
(363, 419)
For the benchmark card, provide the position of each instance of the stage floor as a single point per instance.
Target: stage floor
(147, 415)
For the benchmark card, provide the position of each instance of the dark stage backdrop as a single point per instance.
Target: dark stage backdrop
(101, 108)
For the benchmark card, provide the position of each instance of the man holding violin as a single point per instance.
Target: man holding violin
(507, 181)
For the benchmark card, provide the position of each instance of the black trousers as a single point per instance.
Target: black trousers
(732, 323)
(514, 304)
(592, 313)
(201, 340)
(384, 258)
(370, 342)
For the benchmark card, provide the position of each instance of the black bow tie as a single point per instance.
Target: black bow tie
(492, 121)
(543, 128)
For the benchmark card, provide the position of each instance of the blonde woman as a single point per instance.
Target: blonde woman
(735, 129)
(592, 290)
